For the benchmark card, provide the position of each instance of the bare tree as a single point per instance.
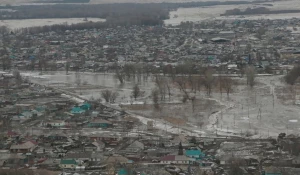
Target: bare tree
(155, 98)
(235, 164)
(136, 92)
(221, 84)
(199, 83)
(293, 75)
(181, 82)
(227, 85)
(120, 76)
(106, 94)
(67, 67)
(250, 73)
(208, 81)
(17, 77)
(193, 100)
(32, 63)
(6, 62)
(113, 97)
(77, 79)
(161, 84)
(260, 32)
(4, 30)
(168, 85)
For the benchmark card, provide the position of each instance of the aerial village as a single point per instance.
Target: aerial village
(44, 127)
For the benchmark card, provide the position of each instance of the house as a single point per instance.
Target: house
(136, 146)
(271, 171)
(26, 147)
(56, 123)
(176, 159)
(122, 172)
(77, 110)
(60, 137)
(90, 147)
(180, 138)
(296, 162)
(106, 138)
(83, 156)
(117, 159)
(97, 157)
(12, 134)
(67, 163)
(197, 154)
(85, 106)
(95, 146)
(99, 123)
(27, 114)
(15, 160)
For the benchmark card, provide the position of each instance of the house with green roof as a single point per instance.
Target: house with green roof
(68, 163)
(195, 154)
(77, 110)
(122, 172)
(86, 106)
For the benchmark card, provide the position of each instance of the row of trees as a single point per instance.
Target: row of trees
(189, 81)
(259, 10)
(110, 96)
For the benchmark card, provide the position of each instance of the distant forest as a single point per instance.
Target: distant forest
(260, 10)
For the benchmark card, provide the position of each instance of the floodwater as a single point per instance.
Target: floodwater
(90, 85)
(17, 24)
(199, 14)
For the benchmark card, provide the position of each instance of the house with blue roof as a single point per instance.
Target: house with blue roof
(197, 154)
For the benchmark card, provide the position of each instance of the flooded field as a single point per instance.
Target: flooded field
(90, 85)
(16, 24)
(262, 113)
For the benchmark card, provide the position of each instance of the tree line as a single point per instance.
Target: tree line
(259, 10)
